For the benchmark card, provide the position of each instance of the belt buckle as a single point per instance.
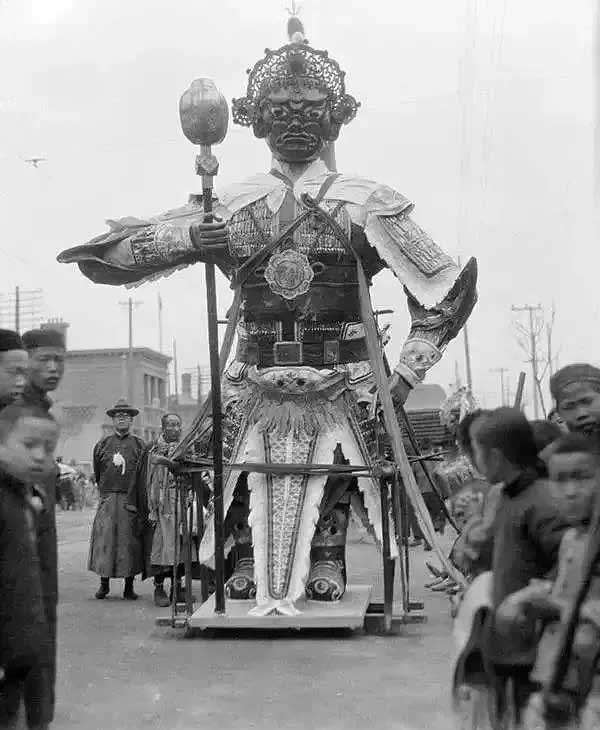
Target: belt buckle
(288, 353)
(331, 352)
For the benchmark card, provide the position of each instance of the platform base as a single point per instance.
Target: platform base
(349, 613)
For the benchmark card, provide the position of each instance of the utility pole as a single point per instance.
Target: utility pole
(17, 311)
(175, 372)
(502, 372)
(468, 370)
(130, 304)
(160, 324)
(21, 309)
(534, 362)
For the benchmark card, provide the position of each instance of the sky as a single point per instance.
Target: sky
(481, 113)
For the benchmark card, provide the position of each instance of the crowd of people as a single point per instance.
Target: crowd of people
(30, 367)
(134, 530)
(530, 554)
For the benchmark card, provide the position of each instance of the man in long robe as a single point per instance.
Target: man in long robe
(116, 545)
(162, 497)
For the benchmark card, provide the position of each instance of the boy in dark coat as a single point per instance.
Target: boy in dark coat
(527, 530)
(46, 351)
(28, 437)
(574, 468)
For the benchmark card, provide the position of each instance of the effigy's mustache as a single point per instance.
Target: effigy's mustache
(296, 137)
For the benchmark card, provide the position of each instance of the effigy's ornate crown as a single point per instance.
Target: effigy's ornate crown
(294, 65)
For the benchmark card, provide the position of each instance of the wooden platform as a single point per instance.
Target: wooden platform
(349, 613)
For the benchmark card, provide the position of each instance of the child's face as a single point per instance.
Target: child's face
(27, 452)
(575, 478)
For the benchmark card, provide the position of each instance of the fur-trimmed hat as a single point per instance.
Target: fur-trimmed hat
(570, 374)
(43, 338)
(10, 340)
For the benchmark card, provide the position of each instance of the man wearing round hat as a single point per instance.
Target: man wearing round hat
(116, 548)
(13, 367)
(576, 390)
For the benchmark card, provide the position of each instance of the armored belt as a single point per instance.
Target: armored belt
(326, 353)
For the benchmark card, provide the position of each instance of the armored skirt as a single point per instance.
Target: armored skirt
(294, 415)
(115, 546)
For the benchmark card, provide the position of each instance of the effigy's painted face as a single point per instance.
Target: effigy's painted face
(296, 122)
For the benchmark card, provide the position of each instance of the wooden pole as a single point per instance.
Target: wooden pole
(215, 382)
(519, 393)
(160, 325)
(175, 372)
(388, 563)
(130, 352)
(468, 369)
(17, 311)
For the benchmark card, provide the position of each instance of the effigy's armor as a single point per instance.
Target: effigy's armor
(300, 389)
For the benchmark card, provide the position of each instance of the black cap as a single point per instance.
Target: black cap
(10, 340)
(43, 338)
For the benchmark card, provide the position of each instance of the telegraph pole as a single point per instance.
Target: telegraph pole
(130, 304)
(17, 310)
(160, 324)
(503, 392)
(534, 362)
(175, 372)
(468, 370)
(21, 308)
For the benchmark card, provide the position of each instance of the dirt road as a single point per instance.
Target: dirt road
(118, 671)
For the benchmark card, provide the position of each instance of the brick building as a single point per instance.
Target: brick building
(94, 380)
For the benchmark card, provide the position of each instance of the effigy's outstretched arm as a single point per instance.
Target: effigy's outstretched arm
(432, 329)
(136, 250)
(440, 295)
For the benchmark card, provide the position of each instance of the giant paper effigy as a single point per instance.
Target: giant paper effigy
(294, 241)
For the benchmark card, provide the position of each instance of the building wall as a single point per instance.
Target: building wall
(94, 380)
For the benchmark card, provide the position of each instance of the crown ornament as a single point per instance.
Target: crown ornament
(295, 65)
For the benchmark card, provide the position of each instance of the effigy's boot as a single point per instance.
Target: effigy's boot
(327, 578)
(241, 585)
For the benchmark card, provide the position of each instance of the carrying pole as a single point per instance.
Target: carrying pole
(204, 118)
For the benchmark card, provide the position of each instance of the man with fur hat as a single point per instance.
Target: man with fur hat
(576, 391)
(116, 545)
(13, 367)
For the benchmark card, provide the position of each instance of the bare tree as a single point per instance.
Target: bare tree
(535, 340)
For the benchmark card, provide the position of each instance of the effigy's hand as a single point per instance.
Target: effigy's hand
(399, 387)
(384, 469)
(209, 236)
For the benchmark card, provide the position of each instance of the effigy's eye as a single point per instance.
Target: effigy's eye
(278, 112)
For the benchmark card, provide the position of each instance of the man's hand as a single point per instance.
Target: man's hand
(209, 236)
(173, 466)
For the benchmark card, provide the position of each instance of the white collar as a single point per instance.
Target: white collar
(313, 169)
